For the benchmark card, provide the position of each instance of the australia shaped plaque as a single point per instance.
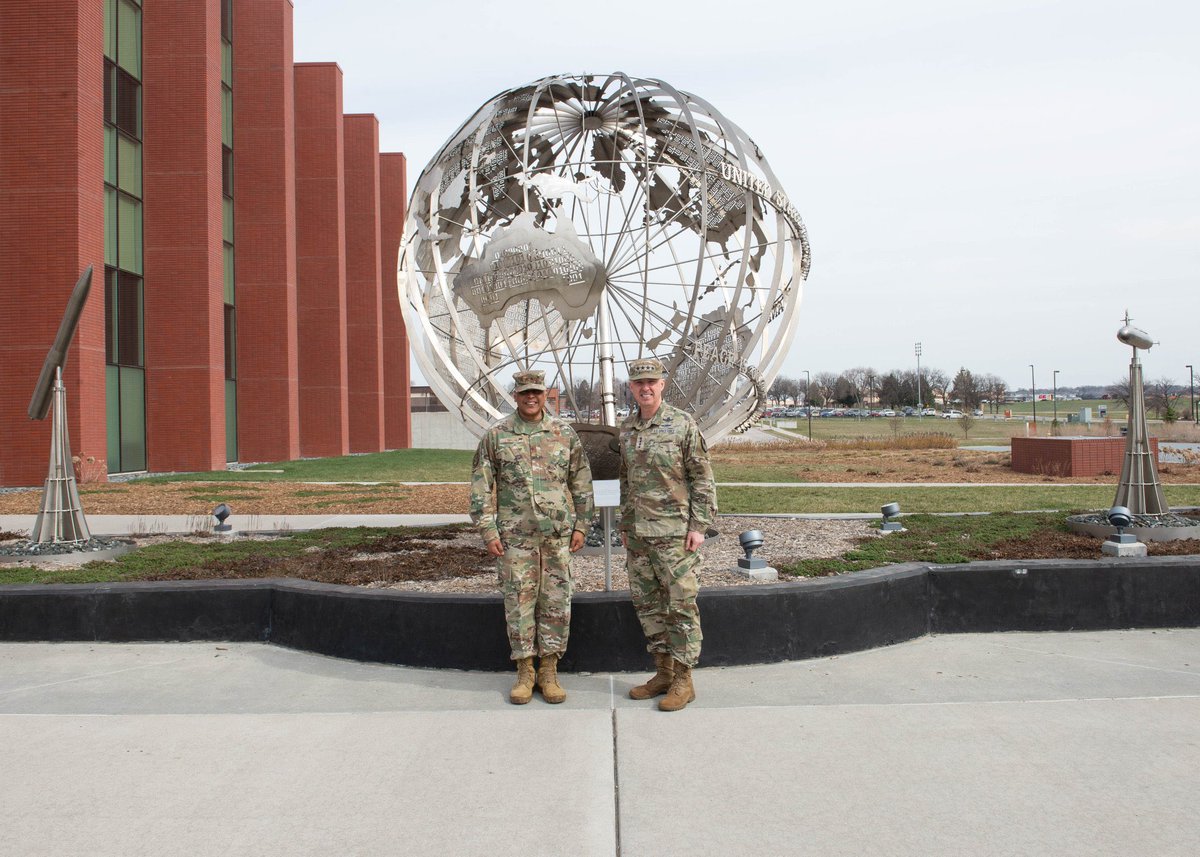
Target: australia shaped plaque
(523, 261)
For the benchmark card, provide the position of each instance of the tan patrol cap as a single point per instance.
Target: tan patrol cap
(532, 380)
(646, 367)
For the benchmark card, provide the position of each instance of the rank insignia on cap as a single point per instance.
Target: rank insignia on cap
(646, 368)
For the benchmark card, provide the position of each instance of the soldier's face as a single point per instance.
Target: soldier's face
(530, 404)
(647, 392)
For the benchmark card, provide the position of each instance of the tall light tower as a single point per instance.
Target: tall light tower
(1055, 396)
(920, 409)
(1033, 395)
(1192, 392)
(807, 403)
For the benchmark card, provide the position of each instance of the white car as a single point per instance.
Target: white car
(952, 415)
(929, 412)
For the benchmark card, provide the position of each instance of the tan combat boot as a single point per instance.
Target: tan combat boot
(547, 679)
(681, 692)
(522, 691)
(660, 682)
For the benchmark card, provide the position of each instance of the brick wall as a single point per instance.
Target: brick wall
(364, 302)
(393, 193)
(321, 260)
(51, 222)
(1071, 456)
(264, 159)
(184, 259)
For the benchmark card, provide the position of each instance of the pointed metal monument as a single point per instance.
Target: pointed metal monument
(1139, 489)
(61, 518)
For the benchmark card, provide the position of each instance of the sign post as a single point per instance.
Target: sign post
(607, 496)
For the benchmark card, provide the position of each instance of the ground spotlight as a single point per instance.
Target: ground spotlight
(751, 540)
(755, 568)
(221, 513)
(890, 512)
(1120, 517)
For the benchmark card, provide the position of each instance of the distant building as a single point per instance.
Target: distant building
(242, 229)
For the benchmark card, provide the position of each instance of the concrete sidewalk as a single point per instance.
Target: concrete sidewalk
(1000, 744)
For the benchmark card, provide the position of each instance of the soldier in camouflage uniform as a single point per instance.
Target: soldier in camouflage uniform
(668, 501)
(531, 499)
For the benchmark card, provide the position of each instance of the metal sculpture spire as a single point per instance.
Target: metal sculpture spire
(1139, 489)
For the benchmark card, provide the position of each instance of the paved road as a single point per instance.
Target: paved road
(1001, 744)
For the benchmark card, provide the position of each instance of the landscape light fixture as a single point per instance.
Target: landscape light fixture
(751, 540)
(221, 513)
(1120, 517)
(890, 512)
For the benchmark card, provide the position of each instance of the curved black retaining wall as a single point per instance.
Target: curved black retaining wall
(742, 625)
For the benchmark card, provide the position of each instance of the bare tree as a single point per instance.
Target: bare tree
(1119, 390)
(1161, 395)
(856, 378)
(995, 389)
(966, 422)
(825, 383)
(871, 384)
(936, 382)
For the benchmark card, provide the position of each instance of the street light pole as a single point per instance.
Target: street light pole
(1055, 423)
(919, 408)
(807, 403)
(1033, 395)
(1192, 392)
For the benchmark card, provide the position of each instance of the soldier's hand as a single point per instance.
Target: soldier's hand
(576, 541)
(694, 540)
(495, 547)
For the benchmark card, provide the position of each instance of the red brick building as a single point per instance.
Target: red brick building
(243, 232)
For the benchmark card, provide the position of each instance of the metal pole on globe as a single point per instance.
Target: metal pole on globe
(606, 517)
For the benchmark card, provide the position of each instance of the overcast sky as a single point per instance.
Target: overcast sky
(997, 179)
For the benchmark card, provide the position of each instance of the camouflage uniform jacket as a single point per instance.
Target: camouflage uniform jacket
(530, 479)
(667, 486)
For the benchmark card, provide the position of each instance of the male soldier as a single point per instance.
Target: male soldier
(534, 466)
(668, 500)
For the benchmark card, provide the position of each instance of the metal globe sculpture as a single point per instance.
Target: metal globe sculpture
(583, 221)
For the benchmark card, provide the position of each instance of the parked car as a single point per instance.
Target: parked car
(952, 414)
(977, 413)
(887, 412)
(929, 412)
(909, 411)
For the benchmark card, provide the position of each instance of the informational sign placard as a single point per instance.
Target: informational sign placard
(606, 492)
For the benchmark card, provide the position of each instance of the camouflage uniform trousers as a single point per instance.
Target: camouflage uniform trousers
(663, 583)
(535, 579)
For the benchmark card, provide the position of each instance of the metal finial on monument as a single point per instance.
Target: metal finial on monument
(61, 517)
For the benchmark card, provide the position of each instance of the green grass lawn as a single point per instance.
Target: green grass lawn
(154, 559)
(751, 500)
(400, 465)
(932, 539)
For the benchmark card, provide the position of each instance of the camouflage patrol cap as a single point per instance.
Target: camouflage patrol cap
(531, 380)
(646, 367)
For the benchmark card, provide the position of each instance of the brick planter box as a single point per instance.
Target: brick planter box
(1071, 456)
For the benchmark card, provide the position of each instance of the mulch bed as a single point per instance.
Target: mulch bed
(1056, 545)
(393, 558)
